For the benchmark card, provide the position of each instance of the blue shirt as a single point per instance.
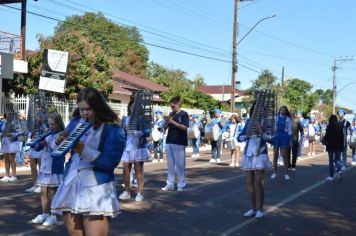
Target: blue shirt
(176, 135)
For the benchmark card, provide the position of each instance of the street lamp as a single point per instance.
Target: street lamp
(234, 53)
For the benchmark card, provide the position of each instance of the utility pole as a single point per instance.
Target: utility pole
(234, 64)
(334, 68)
(282, 92)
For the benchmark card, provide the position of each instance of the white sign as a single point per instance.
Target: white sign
(54, 70)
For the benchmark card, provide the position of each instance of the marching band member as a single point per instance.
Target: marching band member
(136, 153)
(282, 140)
(9, 146)
(175, 148)
(216, 144)
(197, 133)
(51, 171)
(234, 128)
(87, 196)
(157, 135)
(312, 132)
(255, 161)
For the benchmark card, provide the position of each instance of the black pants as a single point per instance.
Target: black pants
(293, 156)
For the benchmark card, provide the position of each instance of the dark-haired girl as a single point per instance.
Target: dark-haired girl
(282, 140)
(87, 197)
(333, 140)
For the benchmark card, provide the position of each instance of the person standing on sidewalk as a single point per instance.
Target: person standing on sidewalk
(21, 128)
(345, 125)
(297, 135)
(177, 139)
(334, 142)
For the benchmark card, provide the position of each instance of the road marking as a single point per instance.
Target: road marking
(276, 206)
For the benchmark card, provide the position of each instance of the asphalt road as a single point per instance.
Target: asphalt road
(212, 204)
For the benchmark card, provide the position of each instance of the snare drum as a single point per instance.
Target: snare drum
(352, 141)
(156, 134)
(212, 131)
(193, 131)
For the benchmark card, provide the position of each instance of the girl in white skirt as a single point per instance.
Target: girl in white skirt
(9, 146)
(234, 128)
(255, 161)
(87, 196)
(51, 171)
(136, 153)
(35, 156)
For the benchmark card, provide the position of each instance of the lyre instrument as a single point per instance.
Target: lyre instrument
(263, 114)
(71, 140)
(141, 117)
(36, 118)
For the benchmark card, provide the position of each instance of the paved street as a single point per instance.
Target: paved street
(212, 203)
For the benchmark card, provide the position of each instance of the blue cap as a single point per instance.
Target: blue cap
(299, 113)
(195, 116)
(312, 118)
(341, 111)
(354, 119)
(216, 110)
(158, 112)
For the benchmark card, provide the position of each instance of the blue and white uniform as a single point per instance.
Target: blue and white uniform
(88, 186)
(51, 170)
(283, 131)
(136, 145)
(255, 155)
(9, 144)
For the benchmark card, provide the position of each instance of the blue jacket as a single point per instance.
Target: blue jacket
(106, 156)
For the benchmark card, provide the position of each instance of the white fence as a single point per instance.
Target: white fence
(65, 108)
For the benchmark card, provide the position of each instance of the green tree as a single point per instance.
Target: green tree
(266, 80)
(298, 95)
(179, 85)
(88, 64)
(122, 44)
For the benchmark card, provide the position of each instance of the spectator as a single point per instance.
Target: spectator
(334, 142)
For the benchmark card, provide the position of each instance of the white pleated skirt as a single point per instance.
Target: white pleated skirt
(33, 154)
(49, 180)
(8, 146)
(260, 162)
(79, 199)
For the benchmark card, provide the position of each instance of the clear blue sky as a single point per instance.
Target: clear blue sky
(305, 36)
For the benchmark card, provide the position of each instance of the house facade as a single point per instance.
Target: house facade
(125, 86)
(223, 93)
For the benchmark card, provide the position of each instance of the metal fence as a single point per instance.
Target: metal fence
(65, 108)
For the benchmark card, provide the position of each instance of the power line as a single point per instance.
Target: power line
(150, 44)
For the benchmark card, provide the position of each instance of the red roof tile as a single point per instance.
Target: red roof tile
(138, 82)
(219, 89)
